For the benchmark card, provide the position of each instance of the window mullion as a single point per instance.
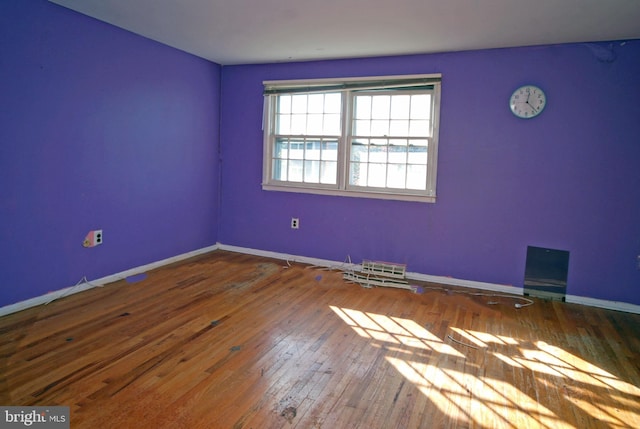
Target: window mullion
(344, 148)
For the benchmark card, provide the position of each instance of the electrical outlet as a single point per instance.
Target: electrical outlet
(97, 237)
(295, 223)
(93, 238)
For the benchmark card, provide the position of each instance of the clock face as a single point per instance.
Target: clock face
(527, 101)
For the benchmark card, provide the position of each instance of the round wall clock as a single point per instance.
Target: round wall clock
(528, 101)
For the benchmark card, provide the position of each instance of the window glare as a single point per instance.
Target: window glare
(316, 103)
(363, 107)
(328, 172)
(333, 103)
(417, 177)
(419, 128)
(298, 124)
(399, 128)
(295, 171)
(284, 124)
(299, 104)
(377, 175)
(400, 106)
(314, 124)
(380, 107)
(396, 175)
(379, 127)
(284, 104)
(332, 124)
(421, 106)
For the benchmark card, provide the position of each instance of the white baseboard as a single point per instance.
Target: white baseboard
(345, 265)
(609, 305)
(512, 290)
(45, 299)
(290, 258)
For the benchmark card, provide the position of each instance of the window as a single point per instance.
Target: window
(369, 137)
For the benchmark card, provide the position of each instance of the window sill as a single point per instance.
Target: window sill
(349, 193)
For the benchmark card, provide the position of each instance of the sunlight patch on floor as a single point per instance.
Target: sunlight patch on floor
(442, 377)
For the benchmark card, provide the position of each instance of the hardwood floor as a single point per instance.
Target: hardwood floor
(228, 340)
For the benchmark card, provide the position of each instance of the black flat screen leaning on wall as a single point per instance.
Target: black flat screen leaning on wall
(546, 273)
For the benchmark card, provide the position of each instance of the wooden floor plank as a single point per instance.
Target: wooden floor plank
(227, 340)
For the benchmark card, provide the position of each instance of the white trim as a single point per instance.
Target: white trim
(601, 303)
(43, 299)
(466, 283)
(289, 258)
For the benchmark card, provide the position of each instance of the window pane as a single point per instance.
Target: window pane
(380, 106)
(377, 175)
(331, 125)
(400, 105)
(295, 171)
(396, 174)
(330, 150)
(417, 152)
(398, 154)
(399, 128)
(298, 124)
(378, 152)
(421, 106)
(314, 124)
(419, 128)
(328, 172)
(360, 151)
(316, 103)
(312, 171)
(358, 174)
(362, 128)
(299, 104)
(296, 150)
(284, 104)
(380, 127)
(363, 107)
(281, 148)
(312, 150)
(417, 177)
(284, 124)
(333, 103)
(279, 169)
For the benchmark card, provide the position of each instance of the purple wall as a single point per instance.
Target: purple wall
(99, 128)
(569, 179)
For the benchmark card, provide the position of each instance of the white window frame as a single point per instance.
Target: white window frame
(349, 86)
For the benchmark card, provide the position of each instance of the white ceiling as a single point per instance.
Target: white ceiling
(261, 31)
